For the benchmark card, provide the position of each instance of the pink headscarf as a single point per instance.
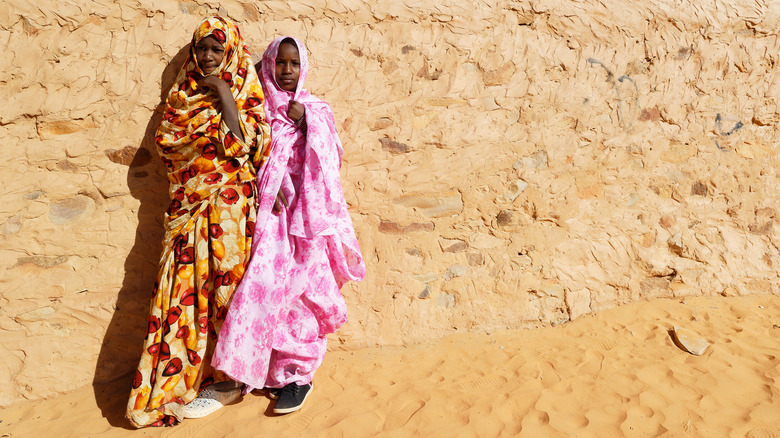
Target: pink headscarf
(317, 207)
(276, 98)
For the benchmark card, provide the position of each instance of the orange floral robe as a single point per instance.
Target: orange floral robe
(208, 228)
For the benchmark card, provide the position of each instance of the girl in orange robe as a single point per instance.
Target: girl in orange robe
(213, 138)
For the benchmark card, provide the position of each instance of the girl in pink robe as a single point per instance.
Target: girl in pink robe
(289, 298)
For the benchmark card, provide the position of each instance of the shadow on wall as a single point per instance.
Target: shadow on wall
(124, 337)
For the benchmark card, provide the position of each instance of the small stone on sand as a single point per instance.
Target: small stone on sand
(690, 341)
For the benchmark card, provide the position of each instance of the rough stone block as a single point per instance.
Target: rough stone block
(515, 189)
(475, 258)
(426, 277)
(382, 123)
(678, 152)
(654, 287)
(394, 147)
(390, 227)
(499, 76)
(129, 155)
(68, 210)
(445, 300)
(54, 128)
(454, 271)
(452, 245)
(485, 241)
(578, 303)
(434, 204)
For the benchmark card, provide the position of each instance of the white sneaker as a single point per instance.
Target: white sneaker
(209, 401)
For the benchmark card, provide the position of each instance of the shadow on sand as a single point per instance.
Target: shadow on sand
(121, 349)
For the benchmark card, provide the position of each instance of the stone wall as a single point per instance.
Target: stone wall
(508, 163)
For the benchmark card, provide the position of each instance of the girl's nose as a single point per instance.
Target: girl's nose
(287, 68)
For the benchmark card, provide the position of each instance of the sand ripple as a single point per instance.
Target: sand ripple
(617, 373)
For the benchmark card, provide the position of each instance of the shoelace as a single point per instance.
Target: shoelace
(294, 388)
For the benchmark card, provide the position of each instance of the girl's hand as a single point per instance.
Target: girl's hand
(280, 199)
(295, 110)
(226, 104)
(215, 84)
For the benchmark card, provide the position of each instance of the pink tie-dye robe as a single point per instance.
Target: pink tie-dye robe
(289, 298)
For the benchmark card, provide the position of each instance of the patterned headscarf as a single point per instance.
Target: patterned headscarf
(190, 115)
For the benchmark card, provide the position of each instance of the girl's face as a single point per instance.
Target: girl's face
(209, 53)
(288, 67)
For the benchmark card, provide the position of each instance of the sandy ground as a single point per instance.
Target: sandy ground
(617, 373)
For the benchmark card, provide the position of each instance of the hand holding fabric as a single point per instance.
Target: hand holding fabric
(295, 110)
(229, 109)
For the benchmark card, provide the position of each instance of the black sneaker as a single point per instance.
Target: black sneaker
(292, 397)
(273, 393)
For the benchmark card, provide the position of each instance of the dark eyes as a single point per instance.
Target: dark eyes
(214, 49)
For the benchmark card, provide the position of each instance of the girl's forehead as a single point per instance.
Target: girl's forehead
(288, 49)
(210, 40)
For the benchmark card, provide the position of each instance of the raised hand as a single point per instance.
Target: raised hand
(215, 84)
(227, 104)
(295, 110)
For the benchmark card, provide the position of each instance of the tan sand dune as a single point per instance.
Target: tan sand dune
(616, 373)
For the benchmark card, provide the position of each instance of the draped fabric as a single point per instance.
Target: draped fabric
(209, 225)
(274, 332)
